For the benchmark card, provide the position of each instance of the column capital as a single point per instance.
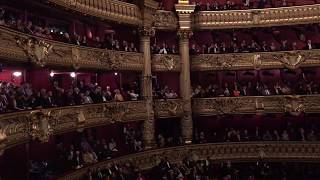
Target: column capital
(184, 34)
(147, 31)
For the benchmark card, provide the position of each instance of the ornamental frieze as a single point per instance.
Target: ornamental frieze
(257, 18)
(168, 108)
(166, 62)
(257, 60)
(217, 153)
(20, 127)
(294, 105)
(166, 20)
(37, 50)
(20, 47)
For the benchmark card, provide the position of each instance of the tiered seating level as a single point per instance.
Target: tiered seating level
(130, 14)
(236, 152)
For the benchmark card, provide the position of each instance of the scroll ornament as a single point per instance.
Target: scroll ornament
(256, 16)
(294, 106)
(168, 62)
(41, 126)
(224, 61)
(37, 50)
(115, 112)
(257, 61)
(3, 139)
(291, 60)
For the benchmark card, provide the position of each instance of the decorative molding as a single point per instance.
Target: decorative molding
(166, 62)
(19, 47)
(37, 50)
(219, 152)
(257, 18)
(147, 31)
(184, 34)
(20, 127)
(256, 105)
(112, 10)
(165, 20)
(168, 108)
(259, 60)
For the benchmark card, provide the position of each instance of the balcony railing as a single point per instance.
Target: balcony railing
(257, 17)
(236, 152)
(256, 105)
(20, 47)
(168, 108)
(258, 60)
(166, 62)
(19, 127)
(113, 10)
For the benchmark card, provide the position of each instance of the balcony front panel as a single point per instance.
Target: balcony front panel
(165, 20)
(235, 152)
(19, 127)
(19, 47)
(258, 60)
(112, 10)
(257, 17)
(256, 105)
(168, 108)
(166, 62)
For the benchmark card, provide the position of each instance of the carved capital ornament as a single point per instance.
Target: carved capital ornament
(184, 34)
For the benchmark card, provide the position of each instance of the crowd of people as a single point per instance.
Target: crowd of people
(164, 93)
(164, 49)
(242, 135)
(193, 168)
(255, 89)
(86, 149)
(244, 47)
(263, 40)
(238, 5)
(40, 29)
(24, 97)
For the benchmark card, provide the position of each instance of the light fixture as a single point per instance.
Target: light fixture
(116, 74)
(51, 74)
(17, 73)
(73, 74)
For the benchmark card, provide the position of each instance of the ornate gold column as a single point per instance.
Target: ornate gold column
(148, 125)
(148, 8)
(184, 11)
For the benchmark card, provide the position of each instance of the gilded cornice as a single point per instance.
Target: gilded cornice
(20, 127)
(168, 108)
(166, 62)
(257, 17)
(165, 20)
(262, 60)
(20, 47)
(219, 152)
(112, 10)
(292, 104)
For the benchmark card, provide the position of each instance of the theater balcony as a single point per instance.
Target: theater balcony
(113, 10)
(22, 127)
(257, 17)
(18, 47)
(257, 60)
(256, 105)
(216, 153)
